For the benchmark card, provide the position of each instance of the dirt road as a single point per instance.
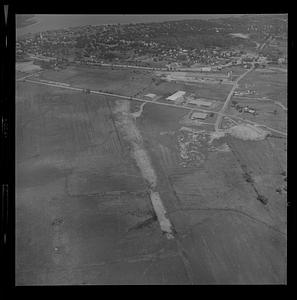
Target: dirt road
(222, 111)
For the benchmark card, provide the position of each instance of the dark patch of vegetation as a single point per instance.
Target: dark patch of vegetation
(262, 199)
(248, 177)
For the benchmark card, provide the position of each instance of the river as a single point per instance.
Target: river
(52, 22)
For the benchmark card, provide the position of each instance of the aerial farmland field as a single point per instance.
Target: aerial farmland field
(129, 173)
(271, 85)
(213, 192)
(71, 155)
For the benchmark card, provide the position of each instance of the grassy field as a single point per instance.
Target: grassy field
(270, 85)
(82, 210)
(265, 165)
(216, 210)
(122, 81)
(82, 213)
(268, 113)
(19, 74)
(131, 82)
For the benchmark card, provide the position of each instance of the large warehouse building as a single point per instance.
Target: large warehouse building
(179, 95)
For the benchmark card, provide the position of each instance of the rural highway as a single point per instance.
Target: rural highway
(220, 113)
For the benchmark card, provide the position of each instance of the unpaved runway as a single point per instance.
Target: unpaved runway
(127, 124)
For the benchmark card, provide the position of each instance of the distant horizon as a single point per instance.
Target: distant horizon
(60, 21)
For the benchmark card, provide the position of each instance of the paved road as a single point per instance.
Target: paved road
(221, 114)
(235, 85)
(219, 119)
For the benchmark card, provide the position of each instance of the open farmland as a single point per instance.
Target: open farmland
(27, 67)
(268, 113)
(83, 216)
(20, 74)
(122, 81)
(270, 85)
(269, 99)
(205, 201)
(151, 153)
(260, 161)
(81, 189)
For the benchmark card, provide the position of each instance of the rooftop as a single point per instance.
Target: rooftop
(176, 95)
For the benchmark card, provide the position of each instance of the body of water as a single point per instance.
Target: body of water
(52, 22)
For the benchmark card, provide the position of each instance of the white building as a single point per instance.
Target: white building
(179, 95)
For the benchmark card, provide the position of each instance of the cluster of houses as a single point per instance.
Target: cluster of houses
(95, 43)
(244, 109)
